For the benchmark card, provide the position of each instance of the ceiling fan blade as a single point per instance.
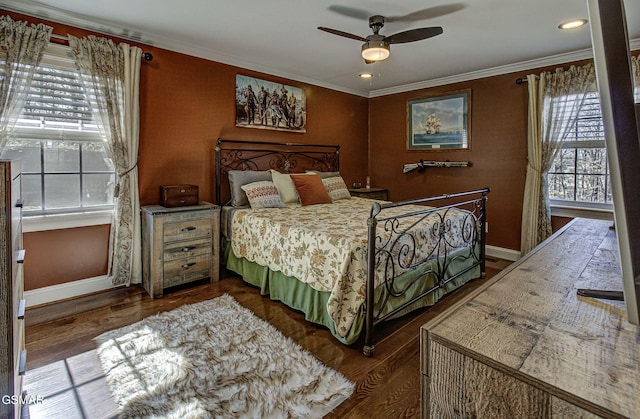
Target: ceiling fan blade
(341, 33)
(413, 35)
(351, 12)
(428, 13)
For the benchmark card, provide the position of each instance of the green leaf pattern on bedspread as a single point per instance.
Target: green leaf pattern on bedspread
(322, 245)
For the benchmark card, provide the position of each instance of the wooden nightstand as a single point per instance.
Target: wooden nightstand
(371, 193)
(179, 245)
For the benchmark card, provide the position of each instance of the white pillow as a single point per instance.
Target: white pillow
(285, 186)
(337, 188)
(263, 194)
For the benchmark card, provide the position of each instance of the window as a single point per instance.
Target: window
(66, 166)
(579, 175)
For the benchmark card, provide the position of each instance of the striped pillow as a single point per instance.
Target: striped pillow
(336, 187)
(263, 194)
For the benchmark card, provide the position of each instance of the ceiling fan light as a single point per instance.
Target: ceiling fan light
(375, 50)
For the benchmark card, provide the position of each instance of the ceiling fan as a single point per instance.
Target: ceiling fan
(376, 47)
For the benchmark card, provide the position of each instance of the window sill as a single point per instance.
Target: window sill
(60, 221)
(574, 212)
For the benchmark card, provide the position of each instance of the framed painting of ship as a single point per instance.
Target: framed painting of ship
(440, 122)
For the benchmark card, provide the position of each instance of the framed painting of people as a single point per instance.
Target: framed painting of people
(439, 122)
(268, 105)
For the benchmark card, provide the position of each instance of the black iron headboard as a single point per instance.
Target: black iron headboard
(265, 155)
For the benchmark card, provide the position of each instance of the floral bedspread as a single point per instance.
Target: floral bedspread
(325, 246)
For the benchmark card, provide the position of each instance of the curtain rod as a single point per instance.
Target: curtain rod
(147, 56)
(521, 80)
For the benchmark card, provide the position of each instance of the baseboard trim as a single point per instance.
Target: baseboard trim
(67, 290)
(502, 253)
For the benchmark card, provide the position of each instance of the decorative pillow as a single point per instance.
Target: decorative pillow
(336, 188)
(263, 194)
(285, 186)
(238, 178)
(310, 189)
(324, 175)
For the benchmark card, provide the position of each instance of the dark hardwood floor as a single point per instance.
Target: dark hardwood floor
(63, 370)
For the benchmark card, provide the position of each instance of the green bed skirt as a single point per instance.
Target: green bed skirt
(313, 303)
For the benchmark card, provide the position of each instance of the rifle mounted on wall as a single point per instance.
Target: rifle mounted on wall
(423, 164)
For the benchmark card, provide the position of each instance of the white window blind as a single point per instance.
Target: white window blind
(579, 174)
(65, 162)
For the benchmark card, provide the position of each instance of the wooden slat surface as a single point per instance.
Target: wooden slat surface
(529, 323)
(64, 369)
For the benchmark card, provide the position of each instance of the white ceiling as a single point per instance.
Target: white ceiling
(280, 37)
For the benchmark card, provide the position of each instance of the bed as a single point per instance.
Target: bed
(347, 263)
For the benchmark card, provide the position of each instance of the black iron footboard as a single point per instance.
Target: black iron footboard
(396, 245)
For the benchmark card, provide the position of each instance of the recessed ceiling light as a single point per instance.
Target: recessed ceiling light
(365, 75)
(572, 24)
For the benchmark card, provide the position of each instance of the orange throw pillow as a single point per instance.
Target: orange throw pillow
(310, 189)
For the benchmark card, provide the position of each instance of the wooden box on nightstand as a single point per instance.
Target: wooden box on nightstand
(179, 245)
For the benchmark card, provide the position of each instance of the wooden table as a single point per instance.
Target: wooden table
(524, 345)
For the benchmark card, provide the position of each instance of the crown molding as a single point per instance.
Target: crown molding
(34, 8)
(496, 71)
(104, 27)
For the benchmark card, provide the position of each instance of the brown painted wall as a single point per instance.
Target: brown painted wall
(59, 256)
(186, 103)
(498, 153)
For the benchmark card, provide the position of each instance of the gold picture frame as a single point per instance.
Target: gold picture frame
(265, 104)
(440, 123)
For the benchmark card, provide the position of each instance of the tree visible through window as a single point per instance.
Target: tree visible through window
(580, 172)
(65, 161)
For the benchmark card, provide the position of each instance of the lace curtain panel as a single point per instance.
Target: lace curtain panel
(554, 101)
(635, 67)
(111, 74)
(548, 119)
(21, 48)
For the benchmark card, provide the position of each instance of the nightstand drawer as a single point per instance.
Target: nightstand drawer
(371, 193)
(188, 249)
(185, 230)
(181, 271)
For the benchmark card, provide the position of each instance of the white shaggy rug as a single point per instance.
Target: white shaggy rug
(215, 359)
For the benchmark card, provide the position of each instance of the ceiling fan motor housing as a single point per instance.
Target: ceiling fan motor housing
(376, 22)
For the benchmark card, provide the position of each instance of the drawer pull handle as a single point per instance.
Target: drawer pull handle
(22, 366)
(188, 248)
(22, 305)
(20, 256)
(188, 265)
(20, 203)
(184, 230)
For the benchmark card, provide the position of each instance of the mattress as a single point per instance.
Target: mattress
(226, 216)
